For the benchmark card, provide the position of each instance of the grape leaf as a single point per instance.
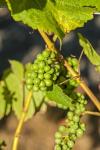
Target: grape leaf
(90, 52)
(57, 95)
(5, 100)
(53, 16)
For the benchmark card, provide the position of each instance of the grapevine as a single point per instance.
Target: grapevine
(50, 78)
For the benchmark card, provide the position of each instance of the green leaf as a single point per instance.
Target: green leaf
(53, 16)
(35, 104)
(5, 100)
(17, 69)
(57, 95)
(90, 52)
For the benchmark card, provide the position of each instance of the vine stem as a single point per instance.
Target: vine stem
(91, 113)
(21, 122)
(82, 83)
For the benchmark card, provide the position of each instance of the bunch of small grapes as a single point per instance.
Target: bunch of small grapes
(67, 134)
(43, 72)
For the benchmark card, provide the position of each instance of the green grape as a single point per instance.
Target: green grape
(47, 68)
(35, 67)
(48, 82)
(47, 76)
(57, 141)
(57, 67)
(40, 76)
(37, 81)
(28, 75)
(49, 61)
(70, 115)
(76, 118)
(43, 88)
(51, 71)
(73, 137)
(65, 147)
(53, 55)
(72, 130)
(75, 126)
(57, 147)
(82, 126)
(35, 88)
(41, 70)
(29, 81)
(58, 135)
(29, 87)
(70, 144)
(46, 53)
(61, 128)
(34, 75)
(54, 77)
(42, 84)
(79, 132)
(42, 64)
(39, 57)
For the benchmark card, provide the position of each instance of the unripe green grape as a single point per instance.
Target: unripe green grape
(39, 57)
(46, 53)
(29, 87)
(61, 129)
(72, 130)
(70, 115)
(29, 81)
(54, 77)
(76, 118)
(35, 67)
(64, 147)
(57, 147)
(57, 141)
(79, 132)
(42, 64)
(40, 76)
(37, 81)
(75, 126)
(47, 76)
(51, 71)
(28, 75)
(58, 135)
(43, 88)
(42, 84)
(34, 75)
(48, 82)
(35, 88)
(78, 111)
(49, 61)
(70, 144)
(47, 68)
(73, 137)
(57, 67)
(53, 55)
(41, 70)
(82, 126)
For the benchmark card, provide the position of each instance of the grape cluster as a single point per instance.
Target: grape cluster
(67, 134)
(43, 72)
